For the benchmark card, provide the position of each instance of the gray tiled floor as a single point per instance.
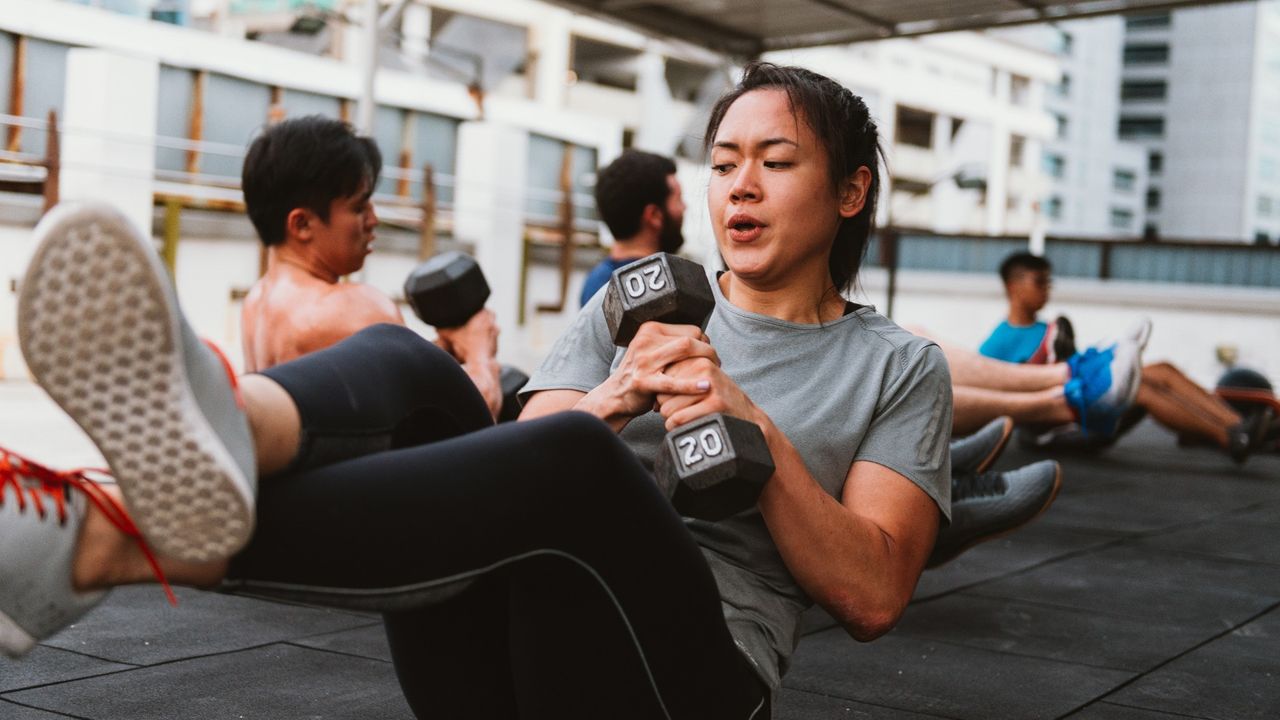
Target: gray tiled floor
(1151, 590)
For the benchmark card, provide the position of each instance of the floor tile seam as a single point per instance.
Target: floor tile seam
(289, 603)
(1175, 658)
(91, 656)
(1159, 710)
(1023, 655)
(336, 652)
(1095, 611)
(1199, 554)
(201, 656)
(40, 709)
(1058, 606)
(68, 681)
(881, 705)
(1013, 573)
(371, 623)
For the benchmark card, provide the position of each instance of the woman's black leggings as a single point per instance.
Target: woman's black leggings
(527, 570)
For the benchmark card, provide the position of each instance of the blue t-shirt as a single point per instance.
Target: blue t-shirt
(1012, 343)
(599, 277)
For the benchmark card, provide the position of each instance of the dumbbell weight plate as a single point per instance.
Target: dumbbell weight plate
(446, 290)
(663, 288)
(512, 380)
(714, 467)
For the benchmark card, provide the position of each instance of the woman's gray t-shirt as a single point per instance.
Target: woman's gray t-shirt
(858, 388)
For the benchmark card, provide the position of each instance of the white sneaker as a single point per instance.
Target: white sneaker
(1140, 334)
(102, 333)
(40, 515)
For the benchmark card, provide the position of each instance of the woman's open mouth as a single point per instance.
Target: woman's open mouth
(744, 228)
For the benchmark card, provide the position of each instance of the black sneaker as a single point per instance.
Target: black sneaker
(988, 505)
(976, 453)
(1064, 341)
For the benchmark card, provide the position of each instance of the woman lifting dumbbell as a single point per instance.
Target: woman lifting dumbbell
(531, 569)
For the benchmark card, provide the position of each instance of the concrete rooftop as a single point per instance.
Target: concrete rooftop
(1151, 589)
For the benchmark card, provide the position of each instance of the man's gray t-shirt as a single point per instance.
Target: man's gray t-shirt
(858, 388)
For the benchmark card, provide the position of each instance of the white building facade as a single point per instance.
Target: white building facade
(1201, 91)
(1097, 184)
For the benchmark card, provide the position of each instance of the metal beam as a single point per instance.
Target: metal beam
(887, 25)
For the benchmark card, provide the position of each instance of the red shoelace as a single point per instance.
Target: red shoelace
(46, 485)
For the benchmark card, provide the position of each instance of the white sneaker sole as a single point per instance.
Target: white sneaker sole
(100, 332)
(14, 641)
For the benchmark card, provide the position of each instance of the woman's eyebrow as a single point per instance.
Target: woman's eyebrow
(767, 142)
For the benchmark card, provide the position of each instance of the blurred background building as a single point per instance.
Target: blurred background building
(1103, 134)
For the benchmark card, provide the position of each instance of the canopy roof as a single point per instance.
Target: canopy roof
(747, 28)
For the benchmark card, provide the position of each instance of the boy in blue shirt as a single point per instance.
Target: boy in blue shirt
(1164, 391)
(1022, 337)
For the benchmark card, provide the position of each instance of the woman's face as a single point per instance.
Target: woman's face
(773, 208)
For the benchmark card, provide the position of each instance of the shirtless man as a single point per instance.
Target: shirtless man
(307, 186)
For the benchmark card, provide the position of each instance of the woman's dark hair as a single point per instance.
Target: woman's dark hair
(626, 186)
(304, 163)
(843, 124)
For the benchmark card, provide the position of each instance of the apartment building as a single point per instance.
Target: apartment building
(1201, 92)
(1097, 183)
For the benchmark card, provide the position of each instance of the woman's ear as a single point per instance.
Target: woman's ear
(853, 192)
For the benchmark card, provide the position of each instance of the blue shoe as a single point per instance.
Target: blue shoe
(1104, 383)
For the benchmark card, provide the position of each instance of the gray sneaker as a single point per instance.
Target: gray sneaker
(988, 505)
(39, 524)
(102, 333)
(976, 453)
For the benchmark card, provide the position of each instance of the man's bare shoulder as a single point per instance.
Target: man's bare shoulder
(359, 304)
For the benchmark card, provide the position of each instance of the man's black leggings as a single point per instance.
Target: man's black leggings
(527, 570)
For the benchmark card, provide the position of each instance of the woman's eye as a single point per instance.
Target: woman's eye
(721, 168)
(777, 164)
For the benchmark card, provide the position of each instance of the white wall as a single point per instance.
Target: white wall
(1207, 133)
(1190, 322)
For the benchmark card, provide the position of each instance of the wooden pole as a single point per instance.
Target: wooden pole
(566, 228)
(427, 240)
(52, 162)
(172, 230)
(195, 124)
(16, 91)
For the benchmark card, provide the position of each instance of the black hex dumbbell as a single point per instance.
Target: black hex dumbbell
(445, 291)
(716, 466)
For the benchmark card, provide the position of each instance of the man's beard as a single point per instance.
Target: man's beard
(670, 240)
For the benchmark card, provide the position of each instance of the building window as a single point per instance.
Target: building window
(1141, 127)
(1017, 148)
(1019, 90)
(1264, 206)
(1155, 163)
(1143, 90)
(1064, 86)
(1121, 218)
(1053, 207)
(1146, 54)
(1146, 22)
(1124, 180)
(1055, 165)
(1065, 43)
(915, 128)
(1153, 199)
(1268, 169)
(1063, 124)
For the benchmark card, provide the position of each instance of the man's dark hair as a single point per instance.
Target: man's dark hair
(307, 163)
(1020, 262)
(843, 125)
(628, 185)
